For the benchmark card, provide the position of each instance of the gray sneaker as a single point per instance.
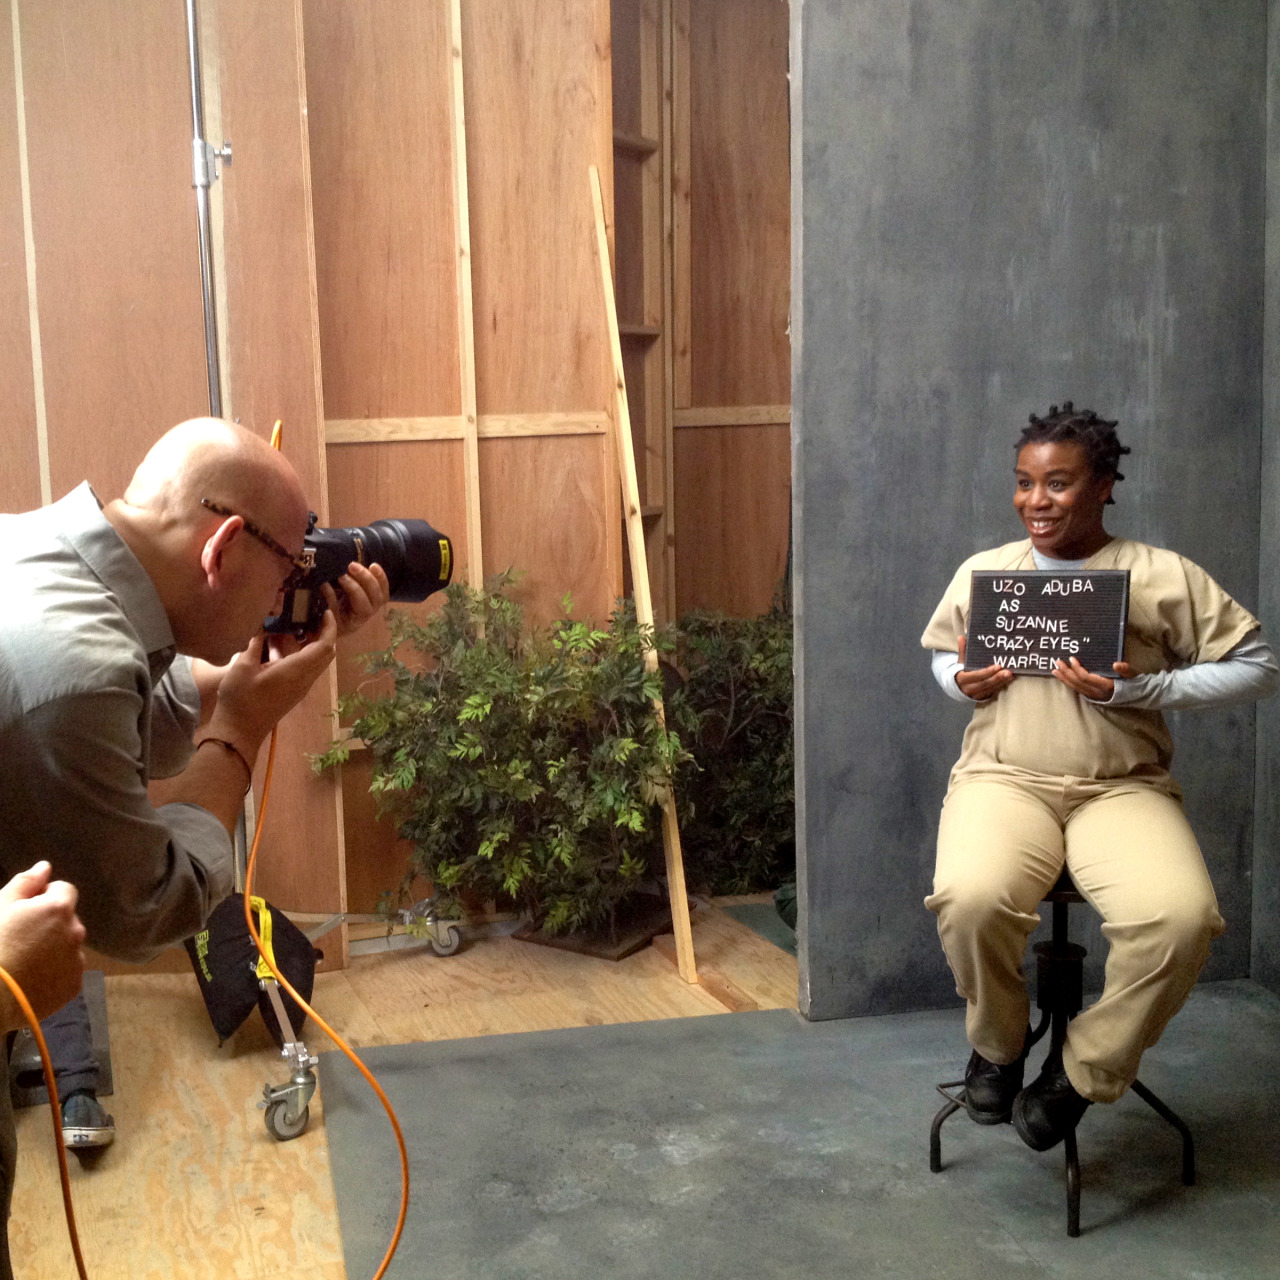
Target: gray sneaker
(85, 1124)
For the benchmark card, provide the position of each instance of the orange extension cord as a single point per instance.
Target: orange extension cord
(276, 431)
(47, 1067)
(324, 1026)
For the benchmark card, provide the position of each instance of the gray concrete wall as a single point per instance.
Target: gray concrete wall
(1266, 868)
(998, 206)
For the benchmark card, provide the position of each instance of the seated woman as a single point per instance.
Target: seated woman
(1074, 771)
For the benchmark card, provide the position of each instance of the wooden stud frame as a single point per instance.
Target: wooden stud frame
(735, 415)
(488, 426)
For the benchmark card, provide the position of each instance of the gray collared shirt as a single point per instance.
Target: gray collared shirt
(92, 705)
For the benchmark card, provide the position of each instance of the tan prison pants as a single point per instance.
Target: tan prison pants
(1002, 842)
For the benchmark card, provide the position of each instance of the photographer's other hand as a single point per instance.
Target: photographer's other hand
(40, 943)
(1090, 684)
(985, 683)
(365, 590)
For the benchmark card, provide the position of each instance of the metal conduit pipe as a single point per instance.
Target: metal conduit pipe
(204, 171)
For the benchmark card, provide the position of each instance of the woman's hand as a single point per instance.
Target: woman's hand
(985, 683)
(1089, 684)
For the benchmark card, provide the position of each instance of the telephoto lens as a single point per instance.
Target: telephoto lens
(417, 559)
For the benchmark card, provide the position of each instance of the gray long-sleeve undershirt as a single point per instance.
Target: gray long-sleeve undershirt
(1247, 673)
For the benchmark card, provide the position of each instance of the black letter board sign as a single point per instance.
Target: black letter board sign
(1028, 620)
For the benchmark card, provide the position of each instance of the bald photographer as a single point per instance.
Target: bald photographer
(96, 702)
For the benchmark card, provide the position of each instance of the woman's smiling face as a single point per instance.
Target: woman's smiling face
(1060, 498)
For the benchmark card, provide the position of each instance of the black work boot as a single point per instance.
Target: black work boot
(989, 1088)
(1049, 1108)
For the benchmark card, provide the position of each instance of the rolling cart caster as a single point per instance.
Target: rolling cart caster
(447, 944)
(287, 1107)
(279, 1126)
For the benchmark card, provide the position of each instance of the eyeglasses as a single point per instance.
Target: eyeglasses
(301, 564)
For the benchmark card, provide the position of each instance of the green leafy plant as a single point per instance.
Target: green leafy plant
(524, 766)
(734, 710)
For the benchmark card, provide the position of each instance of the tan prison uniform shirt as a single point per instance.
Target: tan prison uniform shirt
(1178, 615)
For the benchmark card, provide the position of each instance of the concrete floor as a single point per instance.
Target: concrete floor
(757, 1144)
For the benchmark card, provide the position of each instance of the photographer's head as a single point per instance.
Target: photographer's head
(1067, 465)
(217, 517)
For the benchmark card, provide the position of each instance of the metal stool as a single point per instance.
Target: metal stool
(1060, 996)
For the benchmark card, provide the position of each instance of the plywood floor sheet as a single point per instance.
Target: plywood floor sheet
(194, 1185)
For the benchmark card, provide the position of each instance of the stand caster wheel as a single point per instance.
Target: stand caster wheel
(452, 941)
(278, 1124)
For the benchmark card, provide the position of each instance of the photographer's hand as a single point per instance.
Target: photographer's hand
(252, 696)
(255, 694)
(365, 590)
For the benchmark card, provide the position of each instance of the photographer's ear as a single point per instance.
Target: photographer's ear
(214, 548)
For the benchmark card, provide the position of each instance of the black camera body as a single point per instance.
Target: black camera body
(418, 561)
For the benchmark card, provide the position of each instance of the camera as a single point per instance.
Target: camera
(417, 559)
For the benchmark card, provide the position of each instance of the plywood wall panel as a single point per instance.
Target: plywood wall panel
(272, 337)
(19, 456)
(538, 114)
(551, 511)
(627, 224)
(733, 495)
(254, 58)
(422, 480)
(377, 858)
(113, 214)
(625, 47)
(740, 202)
(380, 161)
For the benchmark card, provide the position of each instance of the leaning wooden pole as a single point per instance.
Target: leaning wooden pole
(466, 318)
(640, 582)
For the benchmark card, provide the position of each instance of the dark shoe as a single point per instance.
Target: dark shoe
(1049, 1108)
(85, 1124)
(989, 1088)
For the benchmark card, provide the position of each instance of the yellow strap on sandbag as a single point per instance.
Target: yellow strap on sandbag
(264, 930)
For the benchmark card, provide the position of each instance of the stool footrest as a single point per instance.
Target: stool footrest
(1167, 1113)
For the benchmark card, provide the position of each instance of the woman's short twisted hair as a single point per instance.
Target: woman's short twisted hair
(1095, 435)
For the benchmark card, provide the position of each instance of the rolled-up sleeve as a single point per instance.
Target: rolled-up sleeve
(72, 782)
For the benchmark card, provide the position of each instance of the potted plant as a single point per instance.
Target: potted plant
(525, 766)
(734, 711)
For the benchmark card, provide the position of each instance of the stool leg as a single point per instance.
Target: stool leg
(1167, 1113)
(1073, 1185)
(949, 1108)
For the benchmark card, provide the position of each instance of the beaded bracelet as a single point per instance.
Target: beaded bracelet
(235, 751)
